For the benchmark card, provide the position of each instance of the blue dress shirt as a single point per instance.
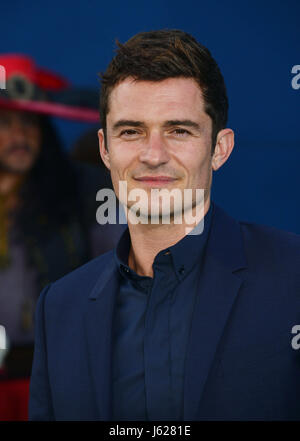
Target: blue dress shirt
(151, 328)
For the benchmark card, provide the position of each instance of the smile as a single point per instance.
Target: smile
(155, 181)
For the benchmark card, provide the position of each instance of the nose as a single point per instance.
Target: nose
(155, 151)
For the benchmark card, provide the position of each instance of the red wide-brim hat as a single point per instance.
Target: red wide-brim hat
(26, 87)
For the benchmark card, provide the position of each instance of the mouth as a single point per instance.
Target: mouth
(19, 150)
(155, 181)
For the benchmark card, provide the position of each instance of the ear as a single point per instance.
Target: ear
(102, 149)
(223, 149)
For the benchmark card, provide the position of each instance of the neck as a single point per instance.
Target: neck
(148, 239)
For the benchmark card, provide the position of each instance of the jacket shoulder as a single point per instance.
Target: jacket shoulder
(80, 282)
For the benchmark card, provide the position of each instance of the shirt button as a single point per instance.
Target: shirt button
(124, 268)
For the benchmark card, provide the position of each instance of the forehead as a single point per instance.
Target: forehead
(19, 114)
(7, 112)
(173, 97)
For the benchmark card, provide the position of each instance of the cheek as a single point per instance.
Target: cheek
(117, 170)
(5, 139)
(2, 143)
(120, 161)
(35, 139)
(199, 169)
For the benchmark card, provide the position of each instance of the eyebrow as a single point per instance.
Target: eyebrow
(127, 122)
(182, 122)
(169, 123)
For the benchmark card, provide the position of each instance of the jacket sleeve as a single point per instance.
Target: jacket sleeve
(40, 403)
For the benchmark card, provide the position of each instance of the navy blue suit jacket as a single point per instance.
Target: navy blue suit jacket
(240, 364)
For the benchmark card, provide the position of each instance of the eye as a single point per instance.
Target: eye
(181, 132)
(29, 120)
(128, 132)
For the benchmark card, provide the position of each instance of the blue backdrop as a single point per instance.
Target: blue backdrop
(256, 45)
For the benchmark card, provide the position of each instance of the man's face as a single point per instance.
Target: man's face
(159, 136)
(19, 140)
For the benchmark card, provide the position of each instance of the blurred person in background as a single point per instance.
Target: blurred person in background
(47, 203)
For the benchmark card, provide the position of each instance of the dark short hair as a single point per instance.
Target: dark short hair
(162, 54)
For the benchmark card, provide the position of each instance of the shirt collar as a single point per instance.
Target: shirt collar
(185, 253)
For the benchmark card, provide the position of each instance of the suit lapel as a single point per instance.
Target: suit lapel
(98, 325)
(218, 289)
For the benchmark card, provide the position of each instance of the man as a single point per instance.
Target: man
(47, 204)
(170, 325)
